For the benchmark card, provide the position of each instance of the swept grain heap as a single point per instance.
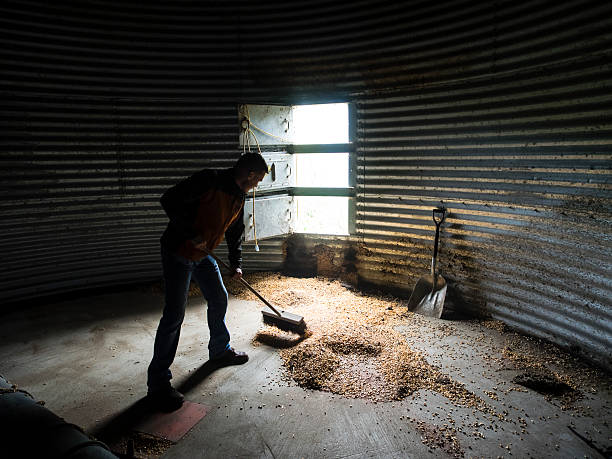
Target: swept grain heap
(353, 348)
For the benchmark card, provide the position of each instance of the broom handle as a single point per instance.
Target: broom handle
(245, 283)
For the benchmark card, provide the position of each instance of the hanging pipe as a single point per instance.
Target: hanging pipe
(29, 430)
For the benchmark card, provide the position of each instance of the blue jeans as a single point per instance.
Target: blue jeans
(177, 276)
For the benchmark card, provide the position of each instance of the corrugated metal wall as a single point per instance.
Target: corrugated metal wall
(523, 167)
(105, 106)
(499, 110)
(522, 160)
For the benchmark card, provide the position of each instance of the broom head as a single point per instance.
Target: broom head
(286, 321)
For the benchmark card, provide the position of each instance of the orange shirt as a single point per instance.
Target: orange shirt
(203, 209)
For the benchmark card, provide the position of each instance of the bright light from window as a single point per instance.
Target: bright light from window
(325, 123)
(322, 169)
(315, 125)
(321, 124)
(322, 215)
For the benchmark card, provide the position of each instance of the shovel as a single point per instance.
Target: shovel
(429, 292)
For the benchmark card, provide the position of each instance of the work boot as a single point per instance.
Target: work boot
(165, 399)
(230, 357)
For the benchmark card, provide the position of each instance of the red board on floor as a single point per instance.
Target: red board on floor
(173, 426)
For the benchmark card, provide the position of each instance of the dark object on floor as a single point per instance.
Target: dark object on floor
(166, 400)
(31, 430)
(280, 319)
(542, 383)
(430, 290)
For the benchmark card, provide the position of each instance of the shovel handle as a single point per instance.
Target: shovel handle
(245, 283)
(439, 213)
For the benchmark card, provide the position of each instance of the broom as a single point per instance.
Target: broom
(279, 319)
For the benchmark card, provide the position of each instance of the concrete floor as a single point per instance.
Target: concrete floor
(86, 358)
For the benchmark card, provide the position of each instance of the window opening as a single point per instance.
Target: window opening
(322, 123)
(318, 136)
(322, 214)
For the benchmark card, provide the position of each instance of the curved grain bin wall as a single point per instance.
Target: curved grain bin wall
(523, 167)
(499, 110)
(105, 105)
(521, 158)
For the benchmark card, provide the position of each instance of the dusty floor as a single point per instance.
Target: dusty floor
(371, 380)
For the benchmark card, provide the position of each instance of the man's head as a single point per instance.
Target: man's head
(249, 170)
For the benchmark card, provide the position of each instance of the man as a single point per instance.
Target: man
(202, 209)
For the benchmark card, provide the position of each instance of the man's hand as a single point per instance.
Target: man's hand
(237, 274)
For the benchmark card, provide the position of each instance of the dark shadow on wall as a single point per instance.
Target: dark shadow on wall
(463, 299)
(299, 258)
(309, 257)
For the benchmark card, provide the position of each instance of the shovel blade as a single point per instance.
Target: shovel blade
(428, 297)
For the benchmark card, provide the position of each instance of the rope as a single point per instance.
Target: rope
(256, 141)
(268, 134)
(247, 141)
(254, 225)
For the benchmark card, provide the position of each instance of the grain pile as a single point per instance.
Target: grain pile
(352, 348)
